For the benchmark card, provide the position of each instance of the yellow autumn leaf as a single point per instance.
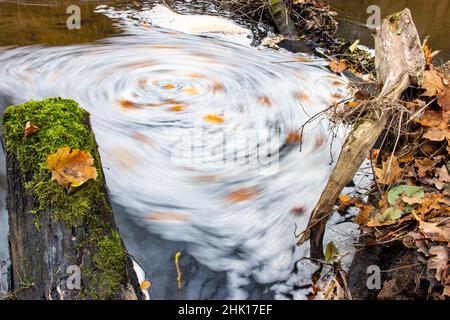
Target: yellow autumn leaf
(212, 118)
(71, 167)
(191, 91)
(145, 285)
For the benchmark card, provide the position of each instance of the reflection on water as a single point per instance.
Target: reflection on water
(171, 113)
(44, 22)
(432, 17)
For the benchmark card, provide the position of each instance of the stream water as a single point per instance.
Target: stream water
(197, 138)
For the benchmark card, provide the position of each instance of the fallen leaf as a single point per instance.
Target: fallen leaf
(243, 194)
(429, 54)
(439, 261)
(168, 86)
(433, 232)
(343, 198)
(266, 101)
(191, 91)
(177, 108)
(387, 174)
(293, 137)
(331, 252)
(444, 100)
(363, 216)
(436, 134)
(30, 128)
(145, 285)
(406, 191)
(338, 67)
(71, 167)
(432, 83)
(211, 118)
(424, 166)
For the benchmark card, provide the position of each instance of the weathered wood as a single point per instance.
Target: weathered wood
(46, 240)
(400, 62)
(282, 19)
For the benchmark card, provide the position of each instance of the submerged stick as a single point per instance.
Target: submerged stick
(64, 243)
(400, 62)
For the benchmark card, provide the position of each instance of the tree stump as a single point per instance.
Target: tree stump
(64, 245)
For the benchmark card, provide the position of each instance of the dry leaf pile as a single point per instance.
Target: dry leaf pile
(410, 201)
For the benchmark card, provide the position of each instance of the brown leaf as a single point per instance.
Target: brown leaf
(293, 138)
(30, 128)
(424, 166)
(433, 232)
(431, 119)
(432, 83)
(444, 100)
(338, 67)
(387, 174)
(439, 261)
(364, 214)
(436, 134)
(71, 167)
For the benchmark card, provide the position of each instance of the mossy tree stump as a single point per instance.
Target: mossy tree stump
(52, 229)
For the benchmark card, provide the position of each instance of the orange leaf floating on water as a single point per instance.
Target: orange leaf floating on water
(302, 96)
(142, 138)
(30, 129)
(126, 104)
(293, 137)
(243, 194)
(191, 91)
(71, 167)
(145, 285)
(211, 118)
(265, 100)
(177, 108)
(168, 86)
(338, 67)
(166, 216)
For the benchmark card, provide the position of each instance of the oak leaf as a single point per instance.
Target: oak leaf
(389, 171)
(71, 167)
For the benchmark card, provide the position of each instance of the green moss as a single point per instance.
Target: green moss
(63, 123)
(110, 263)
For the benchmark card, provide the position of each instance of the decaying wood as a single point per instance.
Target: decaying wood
(400, 62)
(282, 19)
(40, 257)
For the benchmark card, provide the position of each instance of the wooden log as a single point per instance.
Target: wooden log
(56, 236)
(400, 62)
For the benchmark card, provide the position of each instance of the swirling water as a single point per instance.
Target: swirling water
(198, 140)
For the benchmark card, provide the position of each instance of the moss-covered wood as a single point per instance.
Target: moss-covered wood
(51, 229)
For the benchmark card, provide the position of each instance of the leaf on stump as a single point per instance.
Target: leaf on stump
(30, 128)
(71, 167)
